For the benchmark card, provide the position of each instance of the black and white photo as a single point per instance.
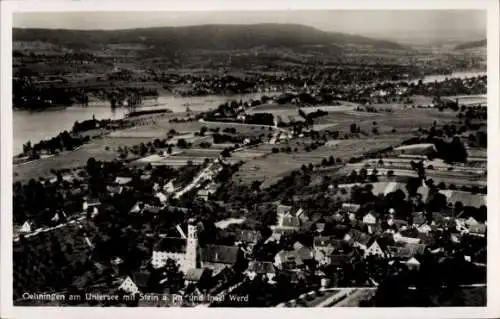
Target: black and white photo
(322, 158)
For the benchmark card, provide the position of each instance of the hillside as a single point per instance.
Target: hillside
(471, 45)
(205, 37)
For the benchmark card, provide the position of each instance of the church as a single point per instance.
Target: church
(187, 253)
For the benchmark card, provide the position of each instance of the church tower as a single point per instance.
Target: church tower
(191, 259)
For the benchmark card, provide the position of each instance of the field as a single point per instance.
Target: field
(77, 158)
(272, 167)
(273, 108)
(469, 99)
(158, 130)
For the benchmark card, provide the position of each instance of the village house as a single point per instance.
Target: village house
(265, 269)
(286, 221)
(370, 220)
(129, 286)
(305, 253)
(218, 258)
(92, 203)
(169, 188)
(247, 239)
(137, 282)
(206, 192)
(350, 208)
(357, 238)
(288, 260)
(478, 230)
(413, 264)
(424, 228)
(114, 190)
(399, 237)
(418, 219)
(161, 197)
(374, 249)
(324, 246)
(26, 227)
(122, 181)
(405, 252)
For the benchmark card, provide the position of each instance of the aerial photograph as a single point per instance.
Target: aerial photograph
(319, 158)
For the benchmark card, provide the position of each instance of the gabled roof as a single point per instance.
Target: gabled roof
(351, 208)
(283, 209)
(123, 180)
(290, 256)
(220, 254)
(471, 221)
(261, 267)
(249, 236)
(359, 236)
(413, 261)
(171, 245)
(114, 189)
(290, 221)
(418, 218)
(477, 229)
(298, 245)
(93, 201)
(407, 251)
(337, 216)
(305, 253)
(325, 241)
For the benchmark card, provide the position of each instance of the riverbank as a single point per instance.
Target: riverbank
(37, 126)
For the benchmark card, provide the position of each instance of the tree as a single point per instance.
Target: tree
(457, 150)
(354, 176)
(181, 143)
(459, 207)
(27, 147)
(363, 174)
(331, 160)
(225, 153)
(353, 128)
(256, 185)
(91, 165)
(203, 130)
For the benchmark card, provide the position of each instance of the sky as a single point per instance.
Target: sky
(390, 23)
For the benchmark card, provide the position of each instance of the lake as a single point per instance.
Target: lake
(37, 126)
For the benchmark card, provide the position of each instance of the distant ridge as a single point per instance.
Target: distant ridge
(207, 37)
(471, 45)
